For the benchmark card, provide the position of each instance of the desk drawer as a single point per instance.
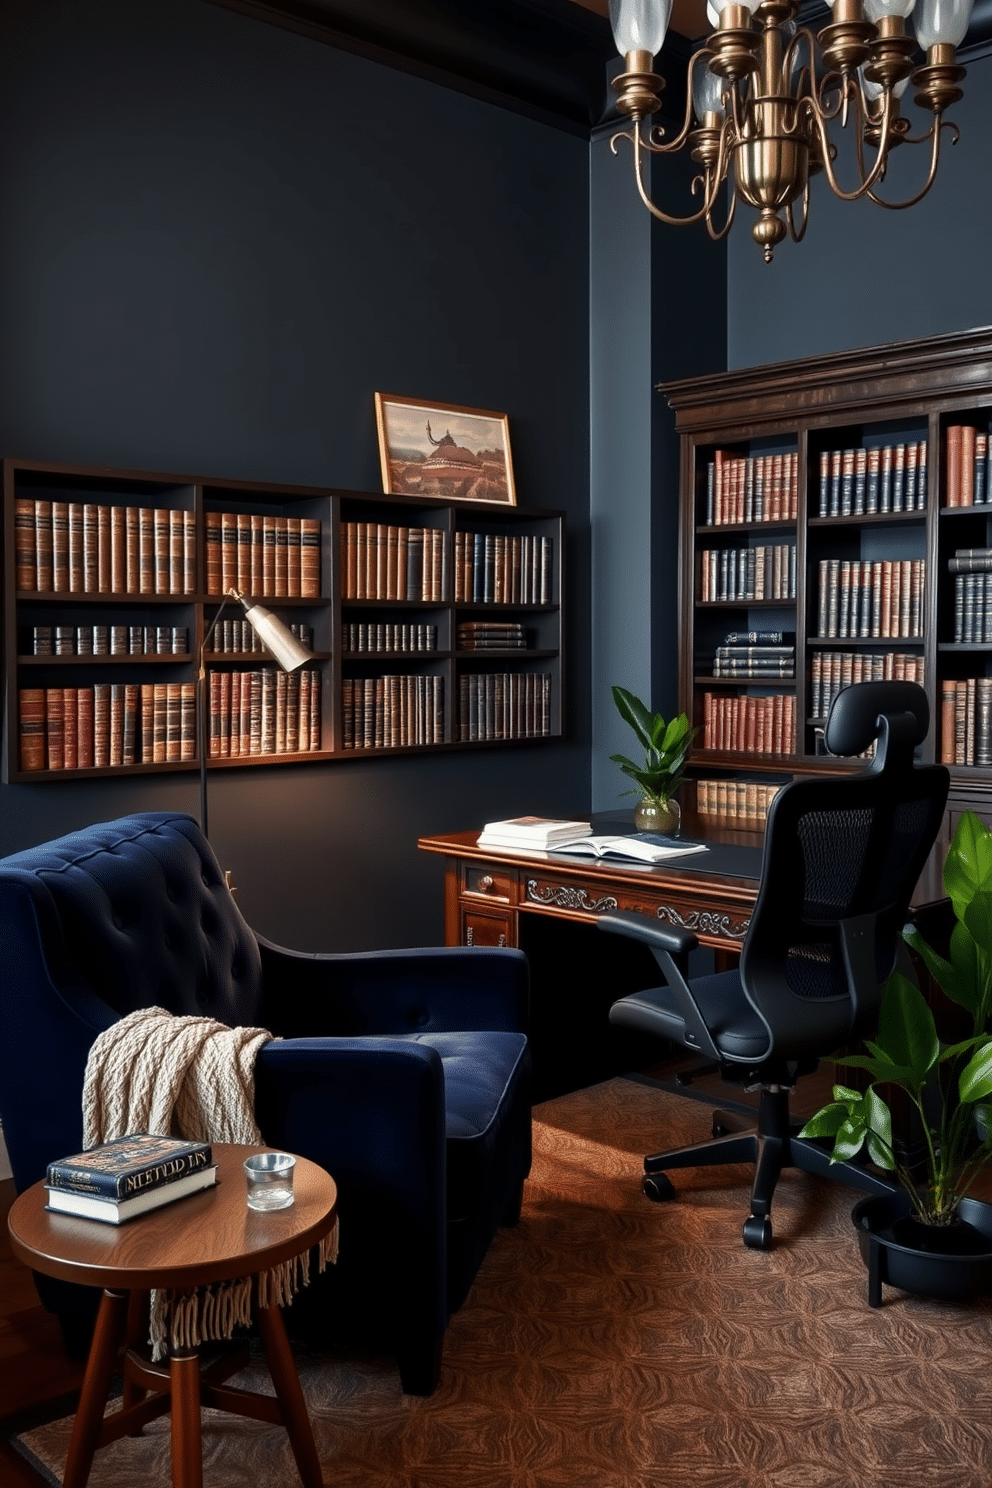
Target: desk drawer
(497, 884)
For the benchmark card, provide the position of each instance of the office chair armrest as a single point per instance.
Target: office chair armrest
(434, 989)
(640, 927)
(670, 948)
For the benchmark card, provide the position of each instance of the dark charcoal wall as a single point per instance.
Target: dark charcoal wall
(864, 276)
(217, 239)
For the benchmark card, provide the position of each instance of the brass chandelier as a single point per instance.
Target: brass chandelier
(765, 94)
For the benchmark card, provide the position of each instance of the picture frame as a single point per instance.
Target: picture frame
(444, 450)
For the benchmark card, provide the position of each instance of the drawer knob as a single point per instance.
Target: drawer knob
(486, 882)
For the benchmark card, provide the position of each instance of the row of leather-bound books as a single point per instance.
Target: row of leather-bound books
(380, 561)
(751, 488)
(503, 568)
(369, 636)
(864, 482)
(764, 572)
(830, 671)
(752, 725)
(968, 480)
(263, 556)
(78, 728)
(864, 599)
(264, 712)
(75, 547)
(504, 705)
(109, 640)
(238, 636)
(744, 800)
(392, 712)
(966, 721)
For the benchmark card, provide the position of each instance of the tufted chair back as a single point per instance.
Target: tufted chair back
(135, 913)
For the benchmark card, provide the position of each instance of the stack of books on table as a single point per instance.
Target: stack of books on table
(128, 1176)
(542, 833)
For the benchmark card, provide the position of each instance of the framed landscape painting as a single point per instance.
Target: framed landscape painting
(439, 449)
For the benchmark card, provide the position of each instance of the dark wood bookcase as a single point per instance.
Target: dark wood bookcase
(330, 615)
(910, 395)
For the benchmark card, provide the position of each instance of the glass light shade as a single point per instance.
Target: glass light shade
(639, 25)
(873, 90)
(721, 5)
(876, 9)
(712, 14)
(942, 22)
(288, 651)
(707, 93)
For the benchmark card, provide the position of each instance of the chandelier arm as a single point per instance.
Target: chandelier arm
(797, 234)
(718, 233)
(867, 182)
(669, 147)
(938, 128)
(637, 140)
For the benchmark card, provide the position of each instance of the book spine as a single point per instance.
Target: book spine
(146, 550)
(132, 549)
(31, 727)
(25, 559)
(43, 545)
(60, 546)
(71, 1179)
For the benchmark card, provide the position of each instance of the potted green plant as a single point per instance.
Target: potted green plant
(948, 1084)
(666, 748)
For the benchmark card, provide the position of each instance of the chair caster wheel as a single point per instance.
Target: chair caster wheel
(657, 1187)
(758, 1232)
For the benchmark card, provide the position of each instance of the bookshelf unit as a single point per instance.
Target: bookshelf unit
(101, 652)
(890, 487)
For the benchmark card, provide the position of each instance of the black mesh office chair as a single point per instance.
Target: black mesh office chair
(842, 858)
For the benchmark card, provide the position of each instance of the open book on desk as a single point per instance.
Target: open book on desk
(642, 847)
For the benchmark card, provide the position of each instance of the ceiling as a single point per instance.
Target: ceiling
(688, 16)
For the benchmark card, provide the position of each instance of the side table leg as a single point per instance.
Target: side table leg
(282, 1367)
(107, 1337)
(187, 1439)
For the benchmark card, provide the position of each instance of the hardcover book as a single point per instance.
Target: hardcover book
(129, 1165)
(118, 1211)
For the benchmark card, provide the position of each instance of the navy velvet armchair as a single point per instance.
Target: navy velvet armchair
(404, 1073)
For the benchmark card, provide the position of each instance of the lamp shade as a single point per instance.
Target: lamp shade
(942, 22)
(639, 25)
(288, 651)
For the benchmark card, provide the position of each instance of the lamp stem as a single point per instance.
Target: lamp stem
(201, 710)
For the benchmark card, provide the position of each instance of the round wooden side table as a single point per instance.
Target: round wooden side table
(211, 1236)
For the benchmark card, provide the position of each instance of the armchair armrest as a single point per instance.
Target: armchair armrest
(433, 989)
(667, 944)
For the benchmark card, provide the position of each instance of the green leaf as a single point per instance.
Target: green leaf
(826, 1122)
(880, 1155)
(850, 1139)
(952, 976)
(968, 865)
(633, 711)
(906, 1030)
(977, 919)
(975, 1080)
(878, 1116)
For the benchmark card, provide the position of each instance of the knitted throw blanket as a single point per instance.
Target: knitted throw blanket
(191, 1078)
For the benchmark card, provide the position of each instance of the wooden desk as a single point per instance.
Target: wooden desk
(489, 893)
(207, 1237)
(547, 904)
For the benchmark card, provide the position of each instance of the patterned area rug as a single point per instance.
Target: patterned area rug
(615, 1343)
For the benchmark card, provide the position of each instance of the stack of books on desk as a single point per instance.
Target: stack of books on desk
(540, 832)
(120, 1179)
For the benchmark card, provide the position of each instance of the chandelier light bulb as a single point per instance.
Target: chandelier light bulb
(707, 93)
(876, 10)
(639, 25)
(942, 22)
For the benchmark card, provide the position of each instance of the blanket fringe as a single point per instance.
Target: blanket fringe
(185, 1320)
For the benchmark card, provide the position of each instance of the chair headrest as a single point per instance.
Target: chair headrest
(853, 724)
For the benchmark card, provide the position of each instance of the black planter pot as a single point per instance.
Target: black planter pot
(960, 1267)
